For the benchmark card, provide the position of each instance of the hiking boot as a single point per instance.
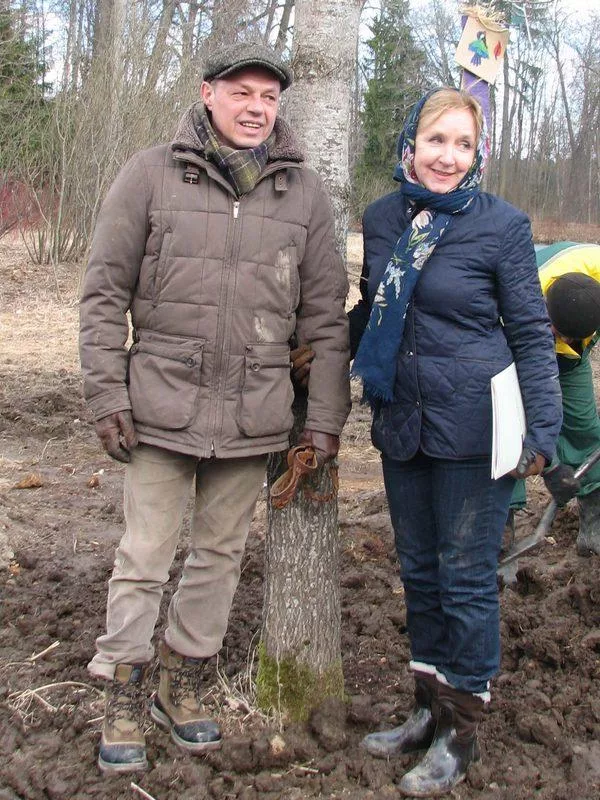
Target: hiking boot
(122, 744)
(416, 733)
(588, 539)
(453, 749)
(177, 705)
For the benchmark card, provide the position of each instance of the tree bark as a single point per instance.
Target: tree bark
(300, 652)
(320, 101)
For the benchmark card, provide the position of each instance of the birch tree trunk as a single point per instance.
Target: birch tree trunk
(300, 653)
(320, 100)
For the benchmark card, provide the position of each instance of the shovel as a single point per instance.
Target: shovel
(506, 568)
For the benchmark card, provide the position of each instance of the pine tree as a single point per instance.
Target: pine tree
(21, 87)
(394, 67)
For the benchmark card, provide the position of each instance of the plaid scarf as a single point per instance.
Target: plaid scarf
(375, 360)
(242, 168)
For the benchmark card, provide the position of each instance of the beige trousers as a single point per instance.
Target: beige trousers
(157, 488)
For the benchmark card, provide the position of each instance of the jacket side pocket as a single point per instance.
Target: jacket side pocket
(164, 380)
(265, 407)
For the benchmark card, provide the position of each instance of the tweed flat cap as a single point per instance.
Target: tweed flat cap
(247, 54)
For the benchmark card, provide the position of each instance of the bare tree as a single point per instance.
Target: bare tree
(300, 659)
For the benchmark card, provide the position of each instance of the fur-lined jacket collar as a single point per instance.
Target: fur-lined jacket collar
(285, 148)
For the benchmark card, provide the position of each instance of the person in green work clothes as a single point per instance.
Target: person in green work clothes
(570, 278)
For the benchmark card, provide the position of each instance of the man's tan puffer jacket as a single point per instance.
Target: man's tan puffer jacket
(216, 287)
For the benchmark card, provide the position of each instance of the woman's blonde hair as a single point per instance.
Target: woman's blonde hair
(448, 99)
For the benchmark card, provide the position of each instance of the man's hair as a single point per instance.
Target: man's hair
(448, 99)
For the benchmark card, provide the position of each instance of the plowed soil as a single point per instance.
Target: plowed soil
(60, 519)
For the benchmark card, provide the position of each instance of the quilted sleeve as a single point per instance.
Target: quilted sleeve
(527, 330)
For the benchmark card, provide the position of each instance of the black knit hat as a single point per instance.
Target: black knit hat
(248, 54)
(573, 302)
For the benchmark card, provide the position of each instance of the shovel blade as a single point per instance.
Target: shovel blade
(531, 541)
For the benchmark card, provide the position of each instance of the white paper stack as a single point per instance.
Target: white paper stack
(510, 424)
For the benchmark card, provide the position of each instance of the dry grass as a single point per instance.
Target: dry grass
(38, 312)
(64, 696)
(548, 231)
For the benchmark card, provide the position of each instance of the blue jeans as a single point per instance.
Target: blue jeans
(448, 519)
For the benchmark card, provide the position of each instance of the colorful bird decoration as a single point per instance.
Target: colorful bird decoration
(479, 49)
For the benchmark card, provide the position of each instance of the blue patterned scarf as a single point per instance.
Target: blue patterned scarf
(375, 360)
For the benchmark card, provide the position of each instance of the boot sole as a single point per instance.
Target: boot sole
(109, 767)
(193, 747)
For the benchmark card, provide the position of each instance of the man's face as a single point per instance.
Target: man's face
(243, 106)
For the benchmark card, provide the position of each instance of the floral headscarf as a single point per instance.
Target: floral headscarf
(375, 360)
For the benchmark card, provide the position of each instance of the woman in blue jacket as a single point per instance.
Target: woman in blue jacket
(450, 297)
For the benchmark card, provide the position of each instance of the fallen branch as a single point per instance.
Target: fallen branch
(51, 647)
(140, 791)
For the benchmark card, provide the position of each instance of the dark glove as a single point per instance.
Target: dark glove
(325, 445)
(530, 463)
(117, 434)
(561, 482)
(301, 358)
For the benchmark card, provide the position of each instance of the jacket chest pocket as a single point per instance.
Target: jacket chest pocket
(164, 379)
(265, 406)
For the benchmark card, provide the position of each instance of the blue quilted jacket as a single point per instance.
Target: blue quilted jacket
(477, 307)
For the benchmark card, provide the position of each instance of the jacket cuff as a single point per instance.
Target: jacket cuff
(109, 403)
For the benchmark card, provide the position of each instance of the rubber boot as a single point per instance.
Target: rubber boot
(416, 732)
(177, 705)
(122, 744)
(588, 539)
(453, 748)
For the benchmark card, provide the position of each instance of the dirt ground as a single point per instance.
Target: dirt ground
(540, 740)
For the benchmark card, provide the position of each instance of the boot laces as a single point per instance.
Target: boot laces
(125, 702)
(186, 683)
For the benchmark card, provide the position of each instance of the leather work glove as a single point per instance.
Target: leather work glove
(530, 463)
(117, 434)
(301, 358)
(561, 482)
(325, 445)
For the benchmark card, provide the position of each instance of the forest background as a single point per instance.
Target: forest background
(85, 83)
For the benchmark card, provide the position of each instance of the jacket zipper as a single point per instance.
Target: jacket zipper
(222, 323)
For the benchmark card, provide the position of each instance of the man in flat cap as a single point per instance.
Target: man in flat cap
(221, 246)
(570, 278)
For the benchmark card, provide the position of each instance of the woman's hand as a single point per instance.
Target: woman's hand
(530, 463)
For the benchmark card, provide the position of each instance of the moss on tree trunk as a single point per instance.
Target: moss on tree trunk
(300, 651)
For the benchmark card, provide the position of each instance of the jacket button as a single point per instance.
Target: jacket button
(410, 353)
(418, 404)
(255, 367)
(190, 362)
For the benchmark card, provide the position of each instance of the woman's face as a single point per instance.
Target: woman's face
(445, 149)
